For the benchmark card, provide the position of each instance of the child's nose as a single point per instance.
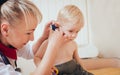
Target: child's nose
(31, 37)
(74, 35)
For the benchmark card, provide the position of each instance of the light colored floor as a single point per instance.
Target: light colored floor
(97, 63)
(103, 66)
(98, 66)
(106, 71)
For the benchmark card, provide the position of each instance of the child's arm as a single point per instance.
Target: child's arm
(77, 58)
(40, 52)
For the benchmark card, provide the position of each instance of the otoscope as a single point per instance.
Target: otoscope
(53, 27)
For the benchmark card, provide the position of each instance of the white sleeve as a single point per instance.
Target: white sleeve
(26, 52)
(7, 70)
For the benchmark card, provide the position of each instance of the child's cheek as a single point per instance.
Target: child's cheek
(67, 34)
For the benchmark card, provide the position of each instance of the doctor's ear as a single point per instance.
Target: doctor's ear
(4, 29)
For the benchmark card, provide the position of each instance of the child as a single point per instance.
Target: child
(18, 20)
(67, 60)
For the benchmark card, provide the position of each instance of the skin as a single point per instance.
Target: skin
(44, 36)
(71, 30)
(68, 50)
(17, 35)
(44, 68)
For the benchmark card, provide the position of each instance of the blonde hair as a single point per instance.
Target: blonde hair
(71, 13)
(14, 11)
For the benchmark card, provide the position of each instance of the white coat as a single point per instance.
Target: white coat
(26, 52)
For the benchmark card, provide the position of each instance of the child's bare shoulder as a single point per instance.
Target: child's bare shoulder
(73, 44)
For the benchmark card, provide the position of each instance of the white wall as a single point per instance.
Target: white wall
(104, 17)
(50, 9)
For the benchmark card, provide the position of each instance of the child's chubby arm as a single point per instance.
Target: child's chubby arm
(77, 57)
(40, 52)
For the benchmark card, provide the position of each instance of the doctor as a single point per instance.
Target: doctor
(18, 20)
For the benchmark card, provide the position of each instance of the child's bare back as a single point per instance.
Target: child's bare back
(65, 53)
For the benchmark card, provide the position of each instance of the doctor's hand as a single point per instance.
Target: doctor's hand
(57, 37)
(47, 28)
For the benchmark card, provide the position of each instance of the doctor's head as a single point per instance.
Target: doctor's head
(18, 20)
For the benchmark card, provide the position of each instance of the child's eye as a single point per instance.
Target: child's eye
(77, 31)
(70, 31)
(28, 33)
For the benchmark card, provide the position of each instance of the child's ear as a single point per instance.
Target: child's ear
(4, 29)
